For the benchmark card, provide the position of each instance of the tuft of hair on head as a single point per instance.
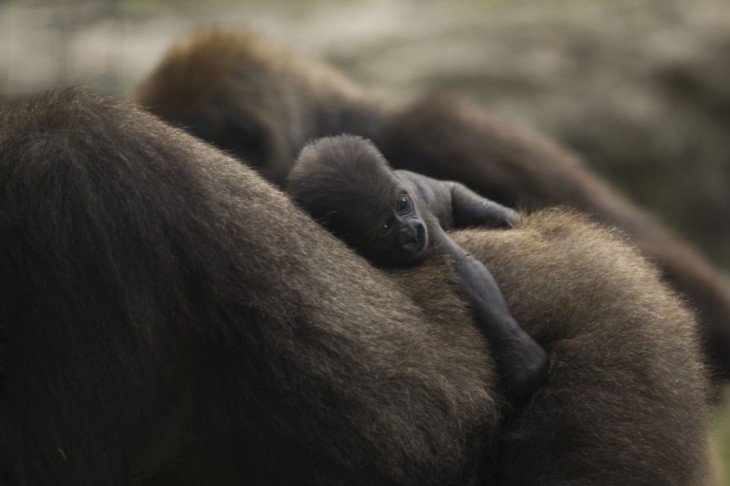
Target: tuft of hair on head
(336, 177)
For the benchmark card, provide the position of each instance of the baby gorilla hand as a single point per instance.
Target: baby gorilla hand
(522, 362)
(471, 209)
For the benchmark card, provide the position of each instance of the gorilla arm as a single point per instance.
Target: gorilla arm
(522, 363)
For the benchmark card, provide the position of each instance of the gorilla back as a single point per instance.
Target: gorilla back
(166, 322)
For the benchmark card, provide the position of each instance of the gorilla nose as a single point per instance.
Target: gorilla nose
(411, 236)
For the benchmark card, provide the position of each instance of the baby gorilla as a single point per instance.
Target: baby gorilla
(393, 217)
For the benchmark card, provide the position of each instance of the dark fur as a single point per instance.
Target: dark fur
(393, 217)
(170, 318)
(217, 82)
(339, 182)
(344, 182)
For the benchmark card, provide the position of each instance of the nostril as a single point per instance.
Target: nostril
(419, 227)
(407, 235)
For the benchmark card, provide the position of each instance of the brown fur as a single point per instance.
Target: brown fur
(289, 99)
(567, 282)
(171, 318)
(221, 73)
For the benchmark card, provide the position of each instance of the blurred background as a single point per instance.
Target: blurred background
(639, 88)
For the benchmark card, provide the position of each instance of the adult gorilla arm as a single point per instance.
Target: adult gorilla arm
(172, 319)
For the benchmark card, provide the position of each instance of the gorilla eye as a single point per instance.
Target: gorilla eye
(384, 229)
(403, 204)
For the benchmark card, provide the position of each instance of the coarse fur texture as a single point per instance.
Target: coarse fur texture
(163, 323)
(263, 103)
(171, 318)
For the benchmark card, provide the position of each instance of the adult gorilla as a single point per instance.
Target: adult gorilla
(263, 103)
(170, 318)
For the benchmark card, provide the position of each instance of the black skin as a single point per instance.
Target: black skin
(392, 217)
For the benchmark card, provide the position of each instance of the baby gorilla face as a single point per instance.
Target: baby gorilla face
(400, 237)
(347, 185)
